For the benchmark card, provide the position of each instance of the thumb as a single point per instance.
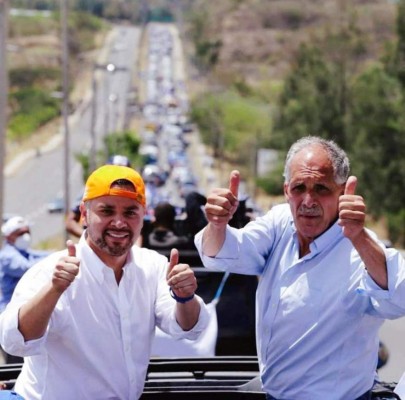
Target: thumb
(351, 184)
(234, 182)
(174, 260)
(71, 248)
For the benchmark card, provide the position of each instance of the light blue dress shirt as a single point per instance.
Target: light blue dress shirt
(317, 317)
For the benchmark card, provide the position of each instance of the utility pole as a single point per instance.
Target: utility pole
(3, 97)
(65, 103)
(93, 136)
(144, 12)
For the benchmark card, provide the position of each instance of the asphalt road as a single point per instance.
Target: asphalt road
(36, 178)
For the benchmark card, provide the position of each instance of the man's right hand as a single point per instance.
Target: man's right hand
(66, 269)
(222, 203)
(219, 209)
(35, 314)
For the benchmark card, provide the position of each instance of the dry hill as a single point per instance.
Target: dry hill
(259, 38)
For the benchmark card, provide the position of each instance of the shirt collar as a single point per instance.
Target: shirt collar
(95, 265)
(323, 241)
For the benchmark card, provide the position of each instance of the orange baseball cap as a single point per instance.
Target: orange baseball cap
(100, 181)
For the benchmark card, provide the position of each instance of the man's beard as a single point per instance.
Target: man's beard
(117, 249)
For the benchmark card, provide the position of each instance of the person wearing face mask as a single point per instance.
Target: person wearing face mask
(16, 256)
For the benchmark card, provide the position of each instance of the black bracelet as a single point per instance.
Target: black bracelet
(181, 300)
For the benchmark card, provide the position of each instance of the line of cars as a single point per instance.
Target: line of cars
(167, 130)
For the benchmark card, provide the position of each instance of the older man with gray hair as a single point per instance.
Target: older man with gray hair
(326, 282)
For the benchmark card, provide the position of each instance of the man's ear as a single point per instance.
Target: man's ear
(83, 213)
(286, 190)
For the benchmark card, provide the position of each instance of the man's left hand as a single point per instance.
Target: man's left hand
(180, 277)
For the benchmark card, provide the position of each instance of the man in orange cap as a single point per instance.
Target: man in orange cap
(73, 221)
(84, 318)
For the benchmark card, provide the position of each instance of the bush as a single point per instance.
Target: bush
(32, 108)
(82, 29)
(126, 143)
(232, 124)
(273, 183)
(30, 100)
(29, 76)
(21, 125)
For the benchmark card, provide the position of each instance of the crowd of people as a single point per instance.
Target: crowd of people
(326, 284)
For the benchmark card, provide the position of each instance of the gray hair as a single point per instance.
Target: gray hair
(338, 157)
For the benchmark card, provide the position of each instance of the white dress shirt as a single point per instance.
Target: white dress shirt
(98, 341)
(317, 316)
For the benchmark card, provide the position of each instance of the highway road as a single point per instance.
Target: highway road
(35, 180)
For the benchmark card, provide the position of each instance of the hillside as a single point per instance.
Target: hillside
(258, 40)
(34, 68)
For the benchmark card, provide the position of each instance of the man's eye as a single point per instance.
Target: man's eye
(131, 213)
(322, 189)
(107, 212)
(298, 188)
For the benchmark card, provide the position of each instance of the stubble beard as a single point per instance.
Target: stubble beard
(115, 250)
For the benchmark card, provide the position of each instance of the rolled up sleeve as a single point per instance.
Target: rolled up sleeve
(12, 340)
(388, 303)
(177, 332)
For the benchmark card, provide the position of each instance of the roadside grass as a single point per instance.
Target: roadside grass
(32, 25)
(35, 72)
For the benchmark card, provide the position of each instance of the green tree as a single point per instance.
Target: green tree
(377, 127)
(31, 108)
(400, 50)
(207, 113)
(206, 44)
(234, 125)
(309, 103)
(126, 143)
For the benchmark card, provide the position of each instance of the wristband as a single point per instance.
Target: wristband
(181, 300)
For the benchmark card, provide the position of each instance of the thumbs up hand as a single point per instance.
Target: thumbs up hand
(223, 202)
(180, 277)
(66, 269)
(352, 210)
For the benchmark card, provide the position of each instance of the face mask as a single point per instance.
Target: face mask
(23, 241)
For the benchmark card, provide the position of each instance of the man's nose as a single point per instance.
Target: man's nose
(119, 221)
(308, 200)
